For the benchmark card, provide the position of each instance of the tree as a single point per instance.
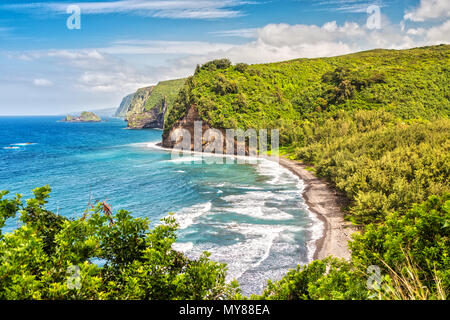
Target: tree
(101, 255)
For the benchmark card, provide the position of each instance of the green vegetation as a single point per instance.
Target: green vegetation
(380, 163)
(103, 255)
(373, 123)
(51, 257)
(164, 92)
(146, 108)
(410, 84)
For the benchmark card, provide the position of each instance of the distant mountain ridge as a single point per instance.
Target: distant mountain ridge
(103, 113)
(121, 112)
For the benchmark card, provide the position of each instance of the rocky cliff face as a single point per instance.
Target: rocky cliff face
(154, 118)
(186, 123)
(149, 105)
(137, 105)
(172, 137)
(121, 112)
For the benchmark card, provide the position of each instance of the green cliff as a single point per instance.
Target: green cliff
(408, 83)
(373, 123)
(149, 105)
(122, 110)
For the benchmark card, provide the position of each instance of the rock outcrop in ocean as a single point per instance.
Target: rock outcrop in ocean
(84, 117)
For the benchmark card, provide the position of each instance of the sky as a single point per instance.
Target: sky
(67, 56)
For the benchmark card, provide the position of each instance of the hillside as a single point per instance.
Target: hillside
(408, 83)
(149, 105)
(137, 104)
(374, 123)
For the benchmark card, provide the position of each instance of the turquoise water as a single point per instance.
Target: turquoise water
(250, 216)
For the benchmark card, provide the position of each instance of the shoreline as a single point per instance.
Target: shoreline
(325, 202)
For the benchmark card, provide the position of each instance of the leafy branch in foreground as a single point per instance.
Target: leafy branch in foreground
(115, 256)
(411, 251)
(98, 256)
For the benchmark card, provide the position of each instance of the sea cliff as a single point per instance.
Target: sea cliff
(121, 112)
(147, 107)
(409, 84)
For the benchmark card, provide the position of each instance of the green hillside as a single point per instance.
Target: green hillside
(376, 125)
(147, 110)
(164, 91)
(409, 83)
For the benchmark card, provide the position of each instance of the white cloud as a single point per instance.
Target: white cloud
(439, 34)
(101, 70)
(176, 9)
(285, 34)
(429, 9)
(89, 70)
(241, 33)
(164, 47)
(348, 6)
(111, 72)
(433, 35)
(42, 82)
(416, 32)
(277, 42)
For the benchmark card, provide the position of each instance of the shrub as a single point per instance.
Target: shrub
(98, 256)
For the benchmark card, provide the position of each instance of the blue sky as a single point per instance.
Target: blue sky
(46, 68)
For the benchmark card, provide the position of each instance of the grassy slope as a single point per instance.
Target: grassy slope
(152, 98)
(164, 89)
(416, 86)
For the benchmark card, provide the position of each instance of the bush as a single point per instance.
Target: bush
(411, 250)
(330, 279)
(217, 64)
(418, 239)
(241, 67)
(98, 256)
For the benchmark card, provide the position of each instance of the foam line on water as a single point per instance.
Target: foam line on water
(253, 204)
(243, 255)
(182, 246)
(274, 170)
(186, 217)
(316, 228)
(23, 144)
(155, 145)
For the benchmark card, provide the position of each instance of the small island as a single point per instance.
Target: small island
(84, 117)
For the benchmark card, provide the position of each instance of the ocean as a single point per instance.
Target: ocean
(250, 216)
